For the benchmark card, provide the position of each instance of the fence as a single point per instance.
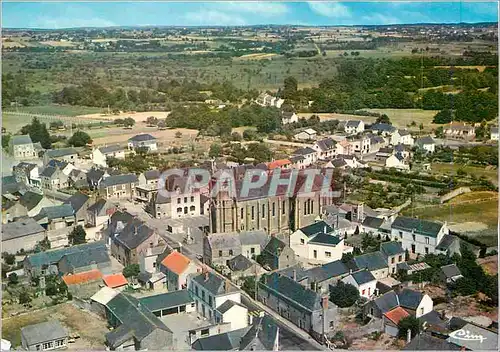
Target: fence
(454, 193)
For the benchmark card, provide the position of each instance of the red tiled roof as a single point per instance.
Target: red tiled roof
(115, 280)
(81, 278)
(396, 315)
(278, 163)
(176, 262)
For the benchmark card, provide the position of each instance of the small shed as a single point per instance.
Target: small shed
(450, 273)
(392, 319)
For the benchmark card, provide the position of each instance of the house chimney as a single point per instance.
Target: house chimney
(294, 275)
(350, 271)
(206, 276)
(408, 336)
(377, 291)
(226, 286)
(250, 319)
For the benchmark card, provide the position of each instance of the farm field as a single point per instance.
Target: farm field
(90, 327)
(53, 109)
(451, 169)
(403, 117)
(478, 220)
(340, 117)
(137, 116)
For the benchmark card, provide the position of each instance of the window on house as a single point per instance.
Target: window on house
(59, 343)
(400, 258)
(192, 208)
(302, 241)
(241, 211)
(400, 234)
(393, 260)
(178, 201)
(220, 253)
(253, 212)
(37, 347)
(263, 210)
(252, 250)
(185, 210)
(274, 209)
(185, 199)
(393, 270)
(328, 254)
(203, 295)
(413, 248)
(426, 250)
(230, 252)
(311, 211)
(47, 345)
(315, 254)
(421, 311)
(205, 332)
(427, 240)
(283, 206)
(413, 237)
(179, 210)
(363, 292)
(192, 198)
(305, 208)
(331, 325)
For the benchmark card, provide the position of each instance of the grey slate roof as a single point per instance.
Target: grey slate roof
(327, 271)
(249, 238)
(53, 256)
(425, 140)
(21, 139)
(450, 270)
(142, 137)
(134, 233)
(291, 291)
(166, 300)
(423, 227)
(239, 263)
(57, 153)
(56, 212)
(48, 171)
(325, 239)
(326, 144)
(136, 319)
(383, 127)
(261, 336)
(95, 174)
(118, 180)
(387, 302)
(30, 199)
(372, 222)
(410, 298)
(111, 149)
(316, 228)
(296, 158)
(20, 228)
(221, 342)
(489, 342)
(152, 174)
(304, 151)
(214, 284)
(224, 307)
(427, 342)
(86, 258)
(404, 133)
(339, 162)
(370, 261)
(77, 201)
(391, 248)
(362, 277)
(57, 163)
(353, 123)
(43, 332)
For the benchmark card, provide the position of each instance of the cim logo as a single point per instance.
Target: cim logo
(466, 335)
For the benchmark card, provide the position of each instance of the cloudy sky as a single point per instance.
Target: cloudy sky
(224, 13)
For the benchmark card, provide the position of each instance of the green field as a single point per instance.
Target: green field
(463, 216)
(451, 169)
(65, 110)
(403, 117)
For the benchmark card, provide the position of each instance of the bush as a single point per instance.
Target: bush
(131, 270)
(409, 323)
(13, 279)
(344, 295)
(8, 258)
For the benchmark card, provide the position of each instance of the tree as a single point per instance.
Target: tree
(24, 297)
(178, 134)
(439, 132)
(5, 141)
(8, 258)
(290, 88)
(249, 135)
(383, 119)
(443, 116)
(344, 295)
(409, 323)
(131, 270)
(13, 279)
(128, 122)
(77, 236)
(38, 133)
(54, 125)
(215, 150)
(79, 139)
(152, 121)
(421, 126)
(249, 285)
(235, 136)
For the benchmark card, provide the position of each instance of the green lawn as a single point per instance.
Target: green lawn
(451, 169)
(65, 110)
(403, 117)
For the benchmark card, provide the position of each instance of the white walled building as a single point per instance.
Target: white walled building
(317, 242)
(364, 281)
(417, 235)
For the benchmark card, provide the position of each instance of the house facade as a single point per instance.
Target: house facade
(68, 155)
(119, 186)
(146, 141)
(364, 282)
(354, 127)
(418, 236)
(46, 336)
(317, 242)
(100, 155)
(177, 268)
(22, 148)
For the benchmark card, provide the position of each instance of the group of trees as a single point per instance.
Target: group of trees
(38, 133)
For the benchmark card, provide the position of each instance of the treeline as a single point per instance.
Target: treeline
(15, 91)
(221, 122)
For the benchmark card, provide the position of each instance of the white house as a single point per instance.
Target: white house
(317, 242)
(354, 127)
(426, 143)
(210, 292)
(177, 269)
(364, 281)
(345, 147)
(396, 161)
(265, 99)
(326, 148)
(310, 156)
(100, 155)
(360, 144)
(459, 130)
(21, 147)
(405, 137)
(306, 135)
(143, 141)
(417, 235)
(234, 313)
(289, 117)
(494, 133)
